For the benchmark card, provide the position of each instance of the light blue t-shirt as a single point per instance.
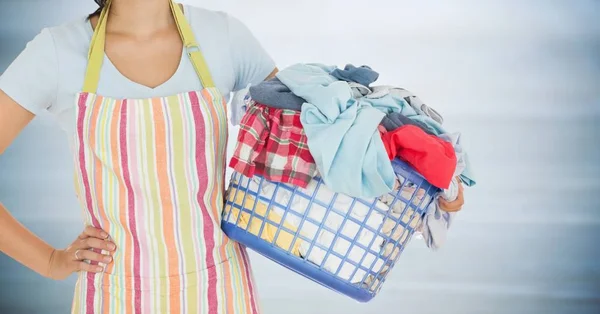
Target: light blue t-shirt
(49, 73)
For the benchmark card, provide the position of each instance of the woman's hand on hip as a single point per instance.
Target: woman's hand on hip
(82, 254)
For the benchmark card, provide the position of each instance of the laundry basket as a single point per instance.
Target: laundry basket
(346, 244)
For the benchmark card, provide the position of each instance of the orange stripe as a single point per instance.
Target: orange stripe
(127, 250)
(167, 209)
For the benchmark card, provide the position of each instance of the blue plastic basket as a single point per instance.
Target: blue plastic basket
(287, 224)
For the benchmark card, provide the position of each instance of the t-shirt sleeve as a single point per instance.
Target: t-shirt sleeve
(32, 79)
(251, 63)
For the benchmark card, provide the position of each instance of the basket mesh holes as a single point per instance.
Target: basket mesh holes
(373, 263)
(408, 190)
(373, 283)
(326, 238)
(391, 251)
(381, 208)
(343, 202)
(293, 218)
(366, 237)
(399, 181)
(377, 264)
(317, 212)
(272, 229)
(317, 256)
(324, 195)
(334, 220)
(418, 197)
(375, 248)
(351, 229)
(385, 270)
(374, 220)
(426, 201)
(230, 196)
(387, 199)
(332, 263)
(256, 223)
(415, 221)
(408, 216)
(360, 211)
(356, 254)
(399, 235)
(309, 230)
(350, 271)
(342, 246)
(243, 180)
(399, 206)
(388, 225)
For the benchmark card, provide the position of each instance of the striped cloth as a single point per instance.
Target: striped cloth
(151, 173)
(272, 143)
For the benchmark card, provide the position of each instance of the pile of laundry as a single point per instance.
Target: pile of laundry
(316, 145)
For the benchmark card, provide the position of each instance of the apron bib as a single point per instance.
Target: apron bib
(151, 173)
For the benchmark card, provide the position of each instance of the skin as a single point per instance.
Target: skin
(146, 27)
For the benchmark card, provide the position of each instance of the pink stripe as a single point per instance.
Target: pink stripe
(246, 261)
(209, 227)
(130, 207)
(91, 290)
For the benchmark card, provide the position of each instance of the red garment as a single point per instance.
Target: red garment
(272, 144)
(429, 155)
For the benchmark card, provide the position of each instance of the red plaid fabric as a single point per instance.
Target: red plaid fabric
(272, 144)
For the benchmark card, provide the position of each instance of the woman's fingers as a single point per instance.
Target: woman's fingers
(88, 247)
(92, 232)
(92, 256)
(94, 243)
(83, 266)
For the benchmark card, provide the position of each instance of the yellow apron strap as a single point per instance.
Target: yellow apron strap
(191, 46)
(96, 52)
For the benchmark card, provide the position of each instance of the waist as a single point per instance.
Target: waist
(163, 264)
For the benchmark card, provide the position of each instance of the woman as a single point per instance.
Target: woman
(138, 87)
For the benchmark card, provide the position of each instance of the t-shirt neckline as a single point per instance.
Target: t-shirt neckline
(108, 62)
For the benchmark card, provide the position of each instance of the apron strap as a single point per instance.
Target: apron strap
(96, 52)
(191, 46)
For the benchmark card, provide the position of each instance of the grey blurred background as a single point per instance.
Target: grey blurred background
(519, 79)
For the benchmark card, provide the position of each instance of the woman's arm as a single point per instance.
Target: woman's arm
(13, 119)
(15, 240)
(21, 244)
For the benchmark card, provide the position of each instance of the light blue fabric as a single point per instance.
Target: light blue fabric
(342, 132)
(49, 73)
(466, 175)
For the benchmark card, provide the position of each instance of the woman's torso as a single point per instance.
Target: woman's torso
(150, 171)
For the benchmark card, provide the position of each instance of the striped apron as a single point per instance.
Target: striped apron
(151, 173)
